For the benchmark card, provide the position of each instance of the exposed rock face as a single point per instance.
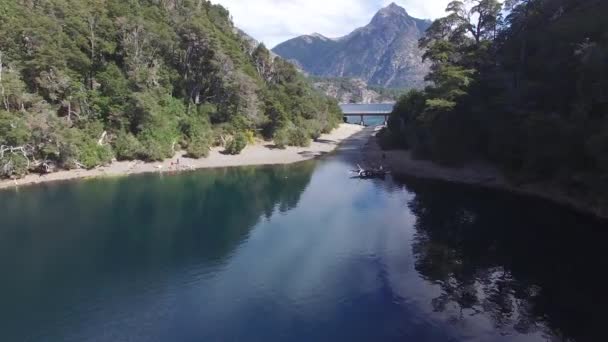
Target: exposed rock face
(347, 90)
(384, 53)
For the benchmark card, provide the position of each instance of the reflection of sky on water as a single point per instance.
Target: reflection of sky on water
(356, 243)
(339, 265)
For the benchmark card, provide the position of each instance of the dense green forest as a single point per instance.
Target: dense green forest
(523, 85)
(86, 81)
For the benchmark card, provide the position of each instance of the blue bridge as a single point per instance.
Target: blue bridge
(366, 110)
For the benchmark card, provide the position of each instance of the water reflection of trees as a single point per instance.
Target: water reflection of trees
(98, 235)
(526, 265)
(213, 207)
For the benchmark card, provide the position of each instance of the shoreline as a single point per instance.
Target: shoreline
(478, 174)
(260, 153)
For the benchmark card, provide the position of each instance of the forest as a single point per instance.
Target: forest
(84, 82)
(522, 84)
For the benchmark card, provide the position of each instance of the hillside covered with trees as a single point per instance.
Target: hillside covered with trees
(86, 81)
(524, 86)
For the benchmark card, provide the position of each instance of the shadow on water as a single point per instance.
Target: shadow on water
(277, 253)
(58, 240)
(528, 266)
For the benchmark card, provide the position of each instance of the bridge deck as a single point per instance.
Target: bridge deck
(377, 109)
(366, 113)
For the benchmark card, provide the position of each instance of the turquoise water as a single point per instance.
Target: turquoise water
(368, 120)
(372, 107)
(294, 253)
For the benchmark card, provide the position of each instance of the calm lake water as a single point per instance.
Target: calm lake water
(295, 253)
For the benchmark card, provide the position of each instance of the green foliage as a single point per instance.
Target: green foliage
(13, 165)
(154, 75)
(76, 148)
(528, 94)
(250, 135)
(127, 147)
(389, 140)
(91, 155)
(13, 130)
(157, 144)
(199, 138)
(281, 138)
(315, 129)
(197, 132)
(408, 124)
(291, 135)
(199, 147)
(298, 137)
(237, 144)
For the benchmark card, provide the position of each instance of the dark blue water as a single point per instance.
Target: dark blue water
(294, 253)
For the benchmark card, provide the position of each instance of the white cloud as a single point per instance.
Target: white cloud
(274, 21)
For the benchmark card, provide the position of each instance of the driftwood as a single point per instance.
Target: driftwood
(102, 138)
(22, 150)
(68, 103)
(7, 167)
(2, 91)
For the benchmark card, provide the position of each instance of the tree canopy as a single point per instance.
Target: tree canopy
(84, 81)
(521, 85)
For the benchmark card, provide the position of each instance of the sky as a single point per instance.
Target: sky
(275, 21)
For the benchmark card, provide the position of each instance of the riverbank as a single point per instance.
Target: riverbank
(401, 162)
(260, 153)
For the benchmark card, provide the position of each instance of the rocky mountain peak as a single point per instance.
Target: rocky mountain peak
(392, 10)
(393, 17)
(318, 35)
(384, 53)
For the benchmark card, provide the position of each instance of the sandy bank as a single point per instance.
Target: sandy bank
(478, 174)
(261, 153)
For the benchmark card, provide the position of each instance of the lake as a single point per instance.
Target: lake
(295, 253)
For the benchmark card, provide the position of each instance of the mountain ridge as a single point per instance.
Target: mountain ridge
(383, 53)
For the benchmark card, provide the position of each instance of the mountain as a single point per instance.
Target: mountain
(354, 90)
(384, 53)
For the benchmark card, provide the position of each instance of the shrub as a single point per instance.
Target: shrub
(237, 144)
(315, 128)
(281, 138)
(13, 165)
(13, 130)
(250, 135)
(91, 155)
(388, 140)
(157, 144)
(127, 147)
(198, 136)
(154, 150)
(76, 147)
(298, 137)
(199, 147)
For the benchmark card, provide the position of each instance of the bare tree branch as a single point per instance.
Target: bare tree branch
(102, 138)
(2, 93)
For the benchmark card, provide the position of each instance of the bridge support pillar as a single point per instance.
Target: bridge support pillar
(362, 122)
(386, 120)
